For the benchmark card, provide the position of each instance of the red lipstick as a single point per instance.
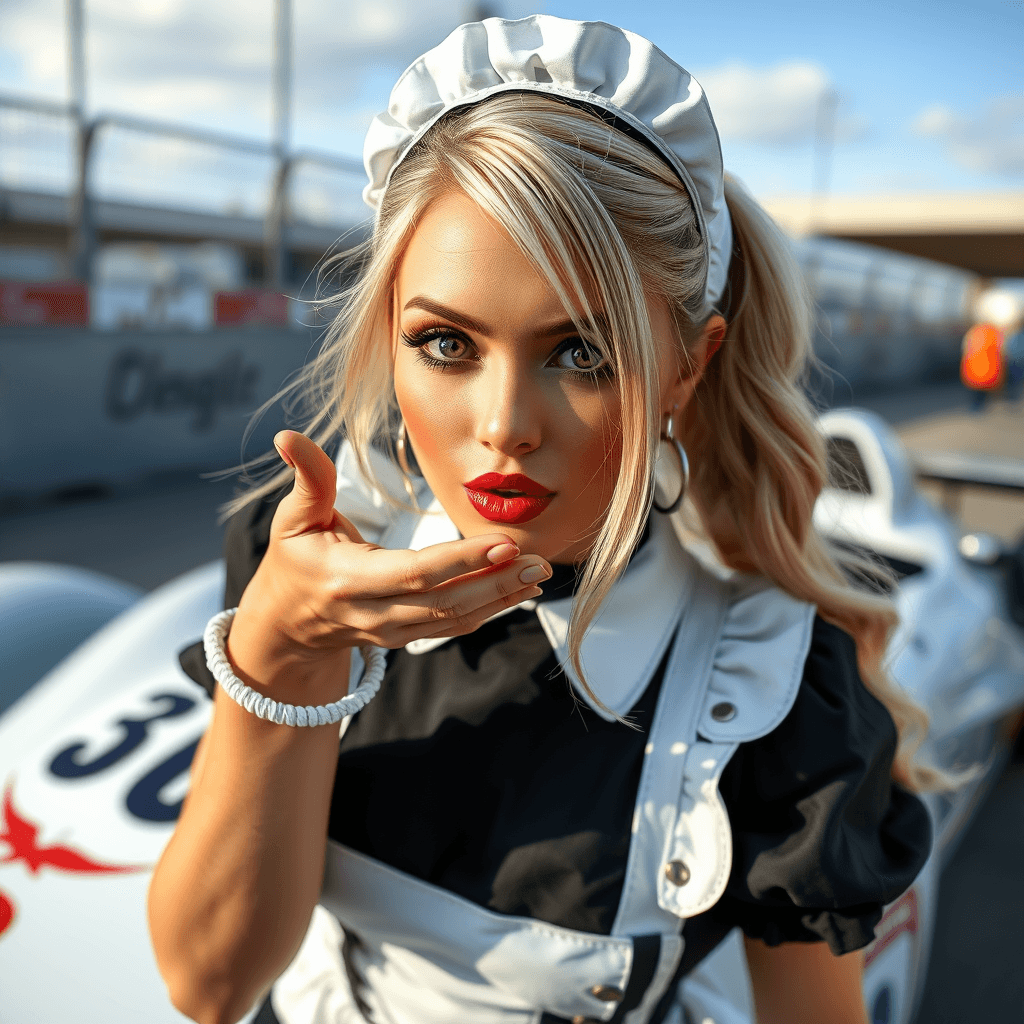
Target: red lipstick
(508, 499)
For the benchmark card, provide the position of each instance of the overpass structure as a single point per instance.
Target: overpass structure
(979, 232)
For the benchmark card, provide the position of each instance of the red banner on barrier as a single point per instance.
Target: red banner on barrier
(55, 304)
(253, 306)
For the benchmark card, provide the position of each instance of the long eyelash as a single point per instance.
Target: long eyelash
(419, 339)
(437, 364)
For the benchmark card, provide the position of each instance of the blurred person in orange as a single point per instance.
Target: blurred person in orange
(981, 362)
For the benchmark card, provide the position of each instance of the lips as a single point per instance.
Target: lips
(509, 499)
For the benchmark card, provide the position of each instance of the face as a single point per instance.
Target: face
(512, 416)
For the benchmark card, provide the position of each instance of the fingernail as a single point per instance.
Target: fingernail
(283, 456)
(502, 553)
(534, 574)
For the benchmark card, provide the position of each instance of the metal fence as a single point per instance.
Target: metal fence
(37, 146)
(45, 147)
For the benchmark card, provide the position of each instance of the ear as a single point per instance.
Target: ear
(699, 353)
(712, 336)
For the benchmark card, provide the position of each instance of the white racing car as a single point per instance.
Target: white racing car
(98, 726)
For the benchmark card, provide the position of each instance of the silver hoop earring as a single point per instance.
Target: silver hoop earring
(684, 473)
(403, 463)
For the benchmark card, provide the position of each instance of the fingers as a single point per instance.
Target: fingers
(466, 595)
(310, 505)
(456, 607)
(418, 623)
(470, 623)
(457, 601)
(394, 573)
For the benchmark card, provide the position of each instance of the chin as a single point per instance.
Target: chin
(537, 541)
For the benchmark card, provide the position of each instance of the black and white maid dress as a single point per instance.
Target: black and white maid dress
(502, 850)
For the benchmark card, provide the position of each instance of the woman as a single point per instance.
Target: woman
(593, 754)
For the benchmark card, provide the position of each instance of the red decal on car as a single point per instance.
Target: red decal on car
(6, 912)
(20, 835)
(899, 918)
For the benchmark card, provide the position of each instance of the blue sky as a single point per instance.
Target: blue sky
(891, 64)
(931, 95)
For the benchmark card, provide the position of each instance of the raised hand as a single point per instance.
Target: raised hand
(321, 589)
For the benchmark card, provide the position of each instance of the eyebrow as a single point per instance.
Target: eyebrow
(468, 323)
(430, 306)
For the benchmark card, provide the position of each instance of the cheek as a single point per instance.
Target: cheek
(418, 421)
(595, 446)
(430, 422)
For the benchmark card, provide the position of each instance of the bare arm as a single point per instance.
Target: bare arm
(231, 898)
(804, 983)
(232, 895)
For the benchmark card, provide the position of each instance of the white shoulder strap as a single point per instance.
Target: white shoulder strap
(686, 677)
(733, 675)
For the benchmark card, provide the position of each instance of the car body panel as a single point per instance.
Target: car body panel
(96, 758)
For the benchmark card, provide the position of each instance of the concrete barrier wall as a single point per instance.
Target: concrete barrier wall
(81, 408)
(885, 361)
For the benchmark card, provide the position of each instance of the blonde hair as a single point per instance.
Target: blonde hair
(602, 217)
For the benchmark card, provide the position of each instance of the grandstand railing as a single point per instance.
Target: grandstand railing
(61, 155)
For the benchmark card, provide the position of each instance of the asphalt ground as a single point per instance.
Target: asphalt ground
(151, 532)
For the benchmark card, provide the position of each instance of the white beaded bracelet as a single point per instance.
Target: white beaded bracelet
(272, 710)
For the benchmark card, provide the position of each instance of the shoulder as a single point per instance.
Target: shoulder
(833, 706)
(823, 837)
(836, 731)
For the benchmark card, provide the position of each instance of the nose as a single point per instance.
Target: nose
(509, 420)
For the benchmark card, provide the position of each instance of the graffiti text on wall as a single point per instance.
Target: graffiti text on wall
(138, 382)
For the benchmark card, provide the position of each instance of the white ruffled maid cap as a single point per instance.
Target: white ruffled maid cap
(585, 62)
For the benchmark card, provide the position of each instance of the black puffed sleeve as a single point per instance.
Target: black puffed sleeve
(822, 837)
(245, 543)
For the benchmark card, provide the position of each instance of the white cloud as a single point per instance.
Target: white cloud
(990, 141)
(209, 64)
(195, 60)
(776, 106)
(32, 33)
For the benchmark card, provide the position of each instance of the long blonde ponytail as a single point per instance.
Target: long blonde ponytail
(763, 464)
